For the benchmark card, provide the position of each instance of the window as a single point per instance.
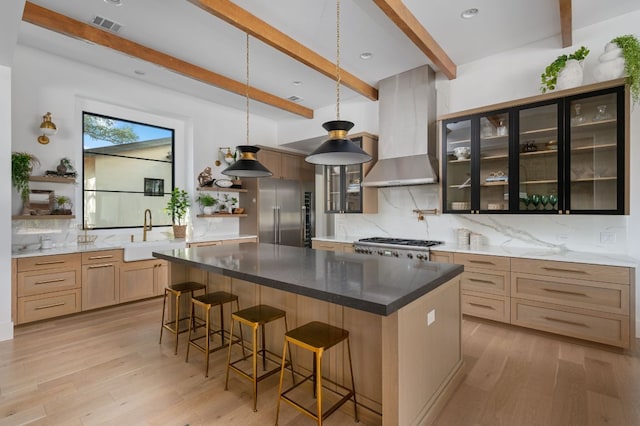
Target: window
(128, 167)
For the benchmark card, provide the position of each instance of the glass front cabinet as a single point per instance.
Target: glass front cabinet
(559, 155)
(343, 188)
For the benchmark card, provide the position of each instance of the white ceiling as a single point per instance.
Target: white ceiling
(180, 29)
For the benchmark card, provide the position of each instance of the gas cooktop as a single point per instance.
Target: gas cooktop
(400, 242)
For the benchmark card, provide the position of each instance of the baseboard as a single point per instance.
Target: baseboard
(6, 331)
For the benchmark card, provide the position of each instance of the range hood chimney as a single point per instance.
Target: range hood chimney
(407, 130)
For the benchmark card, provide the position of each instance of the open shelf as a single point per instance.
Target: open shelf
(52, 179)
(43, 216)
(219, 189)
(222, 215)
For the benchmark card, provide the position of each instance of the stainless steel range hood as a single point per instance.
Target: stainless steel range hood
(407, 131)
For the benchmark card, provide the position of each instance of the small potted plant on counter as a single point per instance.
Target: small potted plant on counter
(177, 208)
(207, 202)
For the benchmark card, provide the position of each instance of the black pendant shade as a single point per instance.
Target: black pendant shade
(248, 165)
(338, 150)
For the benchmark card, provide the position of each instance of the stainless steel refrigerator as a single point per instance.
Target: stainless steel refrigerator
(285, 212)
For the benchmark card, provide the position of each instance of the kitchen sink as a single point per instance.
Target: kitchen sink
(143, 250)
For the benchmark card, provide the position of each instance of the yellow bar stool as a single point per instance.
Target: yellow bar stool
(256, 317)
(177, 290)
(317, 337)
(206, 302)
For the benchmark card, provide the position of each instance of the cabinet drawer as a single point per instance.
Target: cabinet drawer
(605, 328)
(440, 256)
(490, 307)
(103, 256)
(594, 295)
(30, 283)
(34, 308)
(486, 281)
(582, 271)
(58, 261)
(499, 263)
(204, 244)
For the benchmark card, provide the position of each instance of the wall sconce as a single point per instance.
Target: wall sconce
(47, 128)
(225, 154)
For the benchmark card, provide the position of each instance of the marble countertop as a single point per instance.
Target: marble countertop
(111, 245)
(609, 259)
(380, 285)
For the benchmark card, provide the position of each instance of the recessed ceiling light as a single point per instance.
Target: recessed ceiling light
(297, 83)
(139, 72)
(295, 98)
(469, 13)
(366, 55)
(114, 2)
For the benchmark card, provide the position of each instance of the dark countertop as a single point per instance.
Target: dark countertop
(380, 285)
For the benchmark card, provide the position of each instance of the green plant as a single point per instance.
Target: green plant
(177, 205)
(22, 164)
(549, 77)
(67, 163)
(229, 200)
(63, 202)
(630, 46)
(206, 200)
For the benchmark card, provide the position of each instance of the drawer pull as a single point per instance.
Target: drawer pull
(571, 293)
(478, 305)
(579, 324)
(106, 256)
(51, 262)
(104, 265)
(482, 262)
(575, 271)
(476, 280)
(53, 305)
(49, 281)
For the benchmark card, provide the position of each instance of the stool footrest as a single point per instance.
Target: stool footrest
(330, 410)
(223, 345)
(265, 374)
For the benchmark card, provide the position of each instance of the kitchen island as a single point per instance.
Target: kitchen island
(403, 316)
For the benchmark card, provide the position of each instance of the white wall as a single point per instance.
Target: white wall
(504, 77)
(6, 325)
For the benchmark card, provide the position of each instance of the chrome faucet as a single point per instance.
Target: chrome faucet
(144, 227)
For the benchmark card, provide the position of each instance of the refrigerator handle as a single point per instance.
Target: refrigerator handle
(275, 226)
(279, 232)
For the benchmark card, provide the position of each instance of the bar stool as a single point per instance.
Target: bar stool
(317, 337)
(256, 317)
(206, 302)
(177, 290)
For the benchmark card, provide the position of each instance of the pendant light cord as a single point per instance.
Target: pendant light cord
(338, 59)
(247, 89)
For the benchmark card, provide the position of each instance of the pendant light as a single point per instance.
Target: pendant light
(338, 150)
(247, 164)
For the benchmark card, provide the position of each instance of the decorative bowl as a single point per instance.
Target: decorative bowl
(462, 152)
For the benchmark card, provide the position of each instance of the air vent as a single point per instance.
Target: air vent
(106, 24)
(295, 98)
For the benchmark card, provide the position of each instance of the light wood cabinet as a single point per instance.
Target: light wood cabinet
(286, 165)
(100, 278)
(332, 246)
(485, 286)
(142, 279)
(441, 256)
(47, 286)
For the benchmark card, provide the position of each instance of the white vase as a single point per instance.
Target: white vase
(207, 210)
(611, 64)
(570, 76)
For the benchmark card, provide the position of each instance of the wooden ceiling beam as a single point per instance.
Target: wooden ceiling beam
(412, 28)
(246, 22)
(566, 24)
(62, 24)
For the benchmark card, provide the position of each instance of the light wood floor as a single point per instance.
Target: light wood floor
(106, 367)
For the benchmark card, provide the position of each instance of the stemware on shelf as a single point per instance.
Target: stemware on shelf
(544, 200)
(553, 200)
(578, 118)
(602, 113)
(535, 200)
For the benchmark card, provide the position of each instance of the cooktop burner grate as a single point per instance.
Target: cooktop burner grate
(400, 242)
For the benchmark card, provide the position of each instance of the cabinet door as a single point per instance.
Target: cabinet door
(137, 280)
(595, 163)
(539, 158)
(333, 189)
(99, 285)
(290, 166)
(161, 276)
(493, 155)
(272, 161)
(457, 165)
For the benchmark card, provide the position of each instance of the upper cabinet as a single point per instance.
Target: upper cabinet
(285, 165)
(561, 155)
(343, 188)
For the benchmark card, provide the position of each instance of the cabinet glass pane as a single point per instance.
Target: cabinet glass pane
(352, 188)
(494, 162)
(538, 155)
(332, 188)
(458, 140)
(593, 153)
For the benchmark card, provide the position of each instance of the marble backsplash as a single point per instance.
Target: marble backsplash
(395, 218)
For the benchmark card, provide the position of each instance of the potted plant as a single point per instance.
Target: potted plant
(22, 164)
(567, 68)
(177, 207)
(630, 46)
(207, 202)
(63, 205)
(229, 202)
